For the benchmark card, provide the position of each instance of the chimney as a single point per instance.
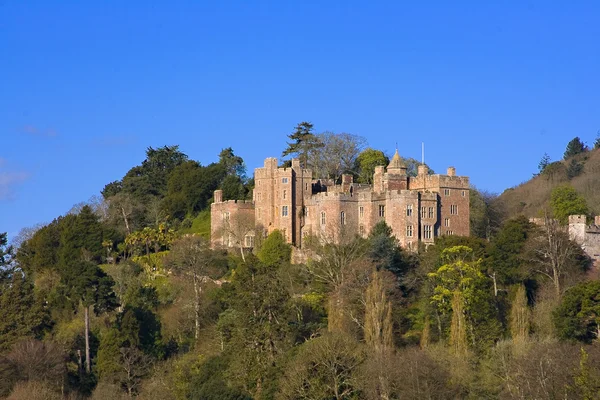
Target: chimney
(218, 196)
(422, 170)
(451, 171)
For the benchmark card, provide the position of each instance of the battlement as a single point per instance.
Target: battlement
(290, 200)
(577, 219)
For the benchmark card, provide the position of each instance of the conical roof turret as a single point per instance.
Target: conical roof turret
(396, 162)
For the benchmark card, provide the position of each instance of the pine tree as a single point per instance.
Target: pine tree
(303, 142)
(574, 147)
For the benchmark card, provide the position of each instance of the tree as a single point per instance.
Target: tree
(574, 147)
(93, 288)
(551, 254)
(565, 201)
(544, 162)
(337, 155)
(378, 316)
(234, 165)
(597, 141)
(366, 162)
(192, 256)
(304, 142)
(324, 368)
(578, 315)
(574, 169)
(461, 289)
(520, 316)
(274, 251)
(237, 228)
(485, 213)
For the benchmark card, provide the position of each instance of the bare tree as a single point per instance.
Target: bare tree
(551, 254)
(192, 256)
(135, 366)
(237, 228)
(337, 155)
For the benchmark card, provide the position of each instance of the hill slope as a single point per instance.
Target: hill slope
(532, 197)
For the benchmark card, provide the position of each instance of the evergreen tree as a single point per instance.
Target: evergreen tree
(303, 143)
(544, 162)
(574, 147)
(565, 201)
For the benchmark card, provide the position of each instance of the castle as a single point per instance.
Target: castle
(417, 209)
(587, 236)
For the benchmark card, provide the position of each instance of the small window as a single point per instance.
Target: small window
(306, 211)
(226, 216)
(249, 239)
(361, 230)
(454, 209)
(361, 211)
(446, 221)
(427, 232)
(464, 193)
(423, 212)
(449, 233)
(409, 210)
(446, 192)
(284, 195)
(306, 186)
(409, 230)
(258, 212)
(382, 211)
(284, 180)
(284, 211)
(343, 218)
(430, 212)
(284, 232)
(323, 218)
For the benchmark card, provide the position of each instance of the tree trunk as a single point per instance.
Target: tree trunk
(197, 290)
(126, 221)
(242, 251)
(88, 367)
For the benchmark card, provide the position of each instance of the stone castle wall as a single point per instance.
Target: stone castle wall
(418, 209)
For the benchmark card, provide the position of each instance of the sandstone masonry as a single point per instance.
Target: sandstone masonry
(418, 209)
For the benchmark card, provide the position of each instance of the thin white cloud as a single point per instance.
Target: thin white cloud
(34, 131)
(9, 179)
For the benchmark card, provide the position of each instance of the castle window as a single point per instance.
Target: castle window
(423, 212)
(361, 230)
(249, 239)
(446, 192)
(306, 211)
(258, 212)
(306, 186)
(430, 212)
(284, 180)
(382, 211)
(361, 211)
(323, 218)
(463, 193)
(343, 218)
(409, 230)
(409, 210)
(449, 233)
(284, 233)
(284, 211)
(226, 216)
(259, 196)
(454, 209)
(284, 194)
(427, 232)
(446, 221)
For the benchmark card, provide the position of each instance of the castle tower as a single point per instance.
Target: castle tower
(577, 226)
(395, 177)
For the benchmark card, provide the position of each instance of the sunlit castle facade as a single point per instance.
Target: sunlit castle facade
(418, 208)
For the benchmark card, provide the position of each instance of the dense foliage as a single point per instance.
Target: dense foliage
(126, 298)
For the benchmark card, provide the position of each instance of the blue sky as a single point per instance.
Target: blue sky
(86, 87)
